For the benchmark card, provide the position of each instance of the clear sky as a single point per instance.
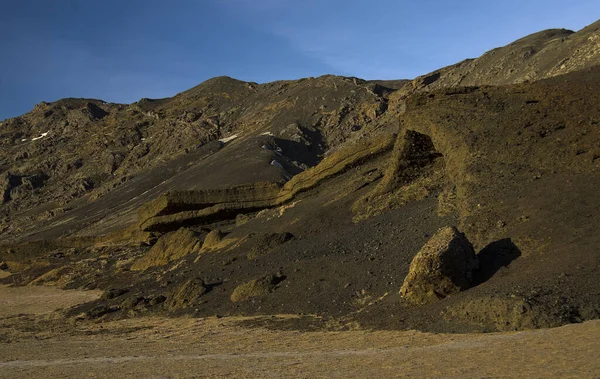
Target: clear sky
(123, 50)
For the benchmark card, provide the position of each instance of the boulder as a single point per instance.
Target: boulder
(256, 288)
(187, 294)
(168, 248)
(212, 239)
(444, 266)
(241, 219)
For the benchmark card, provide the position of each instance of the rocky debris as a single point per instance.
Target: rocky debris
(256, 288)
(168, 248)
(264, 243)
(443, 267)
(187, 294)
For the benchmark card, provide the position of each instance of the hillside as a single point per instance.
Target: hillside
(312, 196)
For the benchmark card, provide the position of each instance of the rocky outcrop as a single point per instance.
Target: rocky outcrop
(256, 288)
(168, 248)
(212, 239)
(187, 294)
(7, 183)
(177, 208)
(443, 267)
(179, 201)
(414, 161)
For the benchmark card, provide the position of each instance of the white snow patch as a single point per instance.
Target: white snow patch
(23, 139)
(266, 134)
(276, 164)
(227, 139)
(40, 136)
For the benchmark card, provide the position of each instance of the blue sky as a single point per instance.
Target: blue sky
(121, 51)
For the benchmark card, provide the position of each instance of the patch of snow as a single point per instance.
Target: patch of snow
(40, 136)
(23, 139)
(227, 139)
(276, 164)
(266, 134)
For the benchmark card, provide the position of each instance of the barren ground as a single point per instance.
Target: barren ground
(36, 342)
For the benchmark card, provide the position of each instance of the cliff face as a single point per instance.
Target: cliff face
(324, 189)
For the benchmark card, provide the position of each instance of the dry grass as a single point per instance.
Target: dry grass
(212, 347)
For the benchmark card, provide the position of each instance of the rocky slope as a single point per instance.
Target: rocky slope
(64, 155)
(313, 196)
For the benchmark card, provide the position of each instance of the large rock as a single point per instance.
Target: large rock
(212, 239)
(256, 288)
(444, 266)
(187, 294)
(264, 243)
(168, 248)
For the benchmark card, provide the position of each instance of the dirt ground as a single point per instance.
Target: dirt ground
(39, 300)
(35, 343)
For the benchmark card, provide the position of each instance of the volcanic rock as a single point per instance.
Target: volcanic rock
(443, 267)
